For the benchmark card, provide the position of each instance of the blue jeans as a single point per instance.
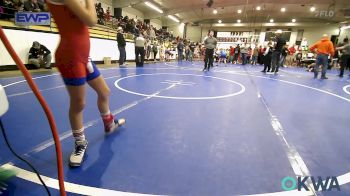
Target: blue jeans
(180, 55)
(254, 60)
(244, 58)
(321, 59)
(122, 55)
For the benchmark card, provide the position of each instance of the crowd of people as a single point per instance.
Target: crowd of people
(132, 26)
(8, 8)
(160, 42)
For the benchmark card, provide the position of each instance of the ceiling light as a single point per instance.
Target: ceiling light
(219, 21)
(258, 8)
(271, 20)
(312, 9)
(294, 20)
(149, 4)
(215, 11)
(283, 9)
(239, 11)
(239, 21)
(173, 18)
(345, 27)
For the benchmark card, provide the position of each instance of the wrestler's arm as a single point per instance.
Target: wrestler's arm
(87, 14)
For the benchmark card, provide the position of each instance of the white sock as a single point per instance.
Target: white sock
(106, 114)
(79, 134)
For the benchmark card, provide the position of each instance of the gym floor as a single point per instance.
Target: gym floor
(230, 131)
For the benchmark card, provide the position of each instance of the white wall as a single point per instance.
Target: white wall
(156, 23)
(132, 13)
(343, 34)
(314, 34)
(22, 41)
(105, 4)
(177, 29)
(293, 37)
(194, 33)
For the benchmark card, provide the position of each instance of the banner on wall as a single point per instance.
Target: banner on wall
(238, 37)
(32, 18)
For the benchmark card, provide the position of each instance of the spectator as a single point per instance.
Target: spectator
(290, 55)
(139, 50)
(168, 54)
(148, 49)
(223, 56)
(19, 6)
(237, 53)
(155, 50)
(192, 48)
(108, 15)
(255, 55)
(267, 58)
(325, 49)
(261, 52)
(152, 33)
(7, 9)
(345, 57)
(276, 54)
(284, 54)
(180, 49)
(39, 55)
(121, 46)
(32, 6)
(244, 51)
(100, 13)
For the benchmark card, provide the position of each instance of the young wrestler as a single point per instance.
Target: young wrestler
(72, 59)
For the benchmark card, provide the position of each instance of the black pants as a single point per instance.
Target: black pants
(275, 60)
(344, 62)
(267, 62)
(209, 58)
(139, 51)
(155, 55)
(122, 55)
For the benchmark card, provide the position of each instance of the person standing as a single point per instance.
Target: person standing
(192, 47)
(244, 51)
(324, 49)
(139, 50)
(276, 54)
(180, 50)
(121, 46)
(72, 59)
(237, 53)
(345, 57)
(255, 55)
(155, 51)
(284, 54)
(267, 58)
(210, 43)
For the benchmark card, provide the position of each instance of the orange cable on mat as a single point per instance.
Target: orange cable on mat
(44, 105)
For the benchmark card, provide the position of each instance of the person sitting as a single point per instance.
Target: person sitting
(39, 55)
(33, 6)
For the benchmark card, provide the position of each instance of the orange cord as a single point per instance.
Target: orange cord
(44, 105)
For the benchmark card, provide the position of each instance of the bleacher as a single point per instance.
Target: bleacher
(98, 31)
